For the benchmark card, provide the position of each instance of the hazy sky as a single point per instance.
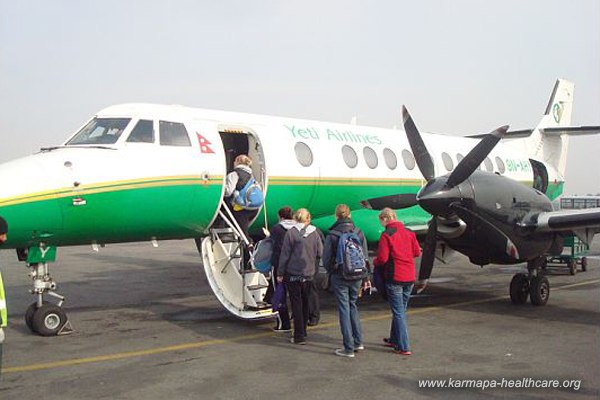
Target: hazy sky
(461, 67)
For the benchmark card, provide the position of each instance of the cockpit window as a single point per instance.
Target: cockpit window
(100, 131)
(173, 134)
(142, 133)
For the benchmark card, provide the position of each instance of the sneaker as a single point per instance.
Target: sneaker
(360, 347)
(313, 323)
(402, 352)
(343, 353)
(281, 330)
(293, 341)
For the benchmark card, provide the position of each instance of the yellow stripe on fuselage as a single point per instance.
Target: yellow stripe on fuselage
(181, 180)
(111, 187)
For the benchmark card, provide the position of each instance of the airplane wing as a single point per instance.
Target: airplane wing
(584, 223)
(554, 131)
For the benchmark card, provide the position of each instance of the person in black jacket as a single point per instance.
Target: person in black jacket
(346, 291)
(314, 307)
(277, 234)
(300, 252)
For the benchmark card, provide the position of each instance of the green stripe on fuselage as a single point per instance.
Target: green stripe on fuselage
(161, 208)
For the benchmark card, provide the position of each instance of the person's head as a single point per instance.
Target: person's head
(285, 213)
(342, 211)
(3, 230)
(303, 216)
(386, 216)
(242, 159)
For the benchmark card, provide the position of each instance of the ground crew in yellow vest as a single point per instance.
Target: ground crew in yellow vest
(3, 313)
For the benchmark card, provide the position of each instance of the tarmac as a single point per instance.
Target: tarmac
(147, 326)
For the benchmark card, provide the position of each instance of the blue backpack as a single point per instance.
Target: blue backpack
(250, 197)
(350, 257)
(262, 255)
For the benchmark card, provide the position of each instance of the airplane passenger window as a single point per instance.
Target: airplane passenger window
(173, 134)
(459, 157)
(100, 131)
(409, 159)
(500, 164)
(390, 158)
(448, 163)
(350, 157)
(142, 133)
(370, 157)
(489, 167)
(303, 154)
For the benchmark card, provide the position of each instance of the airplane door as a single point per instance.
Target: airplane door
(211, 169)
(242, 140)
(240, 290)
(540, 176)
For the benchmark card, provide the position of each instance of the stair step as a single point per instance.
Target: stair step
(261, 305)
(222, 230)
(257, 287)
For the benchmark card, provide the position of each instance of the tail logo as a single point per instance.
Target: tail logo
(557, 111)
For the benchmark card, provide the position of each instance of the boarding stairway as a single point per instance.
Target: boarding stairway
(234, 280)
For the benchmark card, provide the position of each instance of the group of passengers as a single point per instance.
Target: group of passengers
(299, 248)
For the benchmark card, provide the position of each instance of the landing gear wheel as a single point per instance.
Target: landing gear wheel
(48, 320)
(519, 289)
(539, 290)
(29, 314)
(572, 265)
(584, 264)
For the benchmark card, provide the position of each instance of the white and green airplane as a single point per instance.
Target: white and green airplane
(145, 172)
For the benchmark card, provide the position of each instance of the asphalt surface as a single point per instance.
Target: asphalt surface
(148, 327)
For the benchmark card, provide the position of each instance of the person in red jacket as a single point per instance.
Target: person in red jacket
(396, 252)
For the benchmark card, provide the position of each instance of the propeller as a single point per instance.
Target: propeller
(428, 256)
(469, 164)
(422, 156)
(441, 196)
(497, 239)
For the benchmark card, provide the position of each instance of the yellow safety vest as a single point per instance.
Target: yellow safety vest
(3, 313)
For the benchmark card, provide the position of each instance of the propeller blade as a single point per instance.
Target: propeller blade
(428, 251)
(465, 168)
(497, 239)
(422, 156)
(394, 201)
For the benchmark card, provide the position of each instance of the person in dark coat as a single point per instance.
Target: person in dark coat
(314, 307)
(300, 253)
(277, 235)
(346, 291)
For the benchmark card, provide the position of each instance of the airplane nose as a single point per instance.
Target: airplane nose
(436, 197)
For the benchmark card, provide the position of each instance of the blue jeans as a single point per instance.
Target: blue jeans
(346, 293)
(398, 297)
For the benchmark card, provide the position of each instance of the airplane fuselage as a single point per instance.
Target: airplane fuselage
(129, 190)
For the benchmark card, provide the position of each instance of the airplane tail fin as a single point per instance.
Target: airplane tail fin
(548, 142)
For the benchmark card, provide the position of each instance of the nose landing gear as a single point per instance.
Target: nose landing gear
(43, 317)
